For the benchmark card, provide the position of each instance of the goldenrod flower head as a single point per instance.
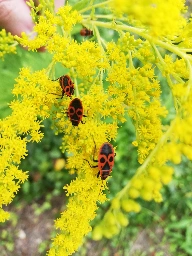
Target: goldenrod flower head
(68, 18)
(115, 203)
(46, 28)
(7, 44)
(85, 191)
(144, 52)
(129, 205)
(4, 215)
(59, 164)
(97, 233)
(158, 197)
(86, 57)
(154, 173)
(159, 17)
(177, 66)
(146, 195)
(122, 219)
(130, 90)
(32, 92)
(185, 37)
(133, 193)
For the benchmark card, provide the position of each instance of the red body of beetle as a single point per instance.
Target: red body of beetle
(66, 84)
(86, 32)
(105, 160)
(75, 111)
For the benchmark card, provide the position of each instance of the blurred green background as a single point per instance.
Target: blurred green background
(159, 229)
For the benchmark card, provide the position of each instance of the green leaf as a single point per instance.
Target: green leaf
(80, 5)
(181, 224)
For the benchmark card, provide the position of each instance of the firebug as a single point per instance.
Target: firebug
(67, 85)
(86, 32)
(75, 111)
(105, 160)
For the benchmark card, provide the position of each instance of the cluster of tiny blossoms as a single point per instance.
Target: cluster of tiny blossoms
(19, 128)
(159, 18)
(131, 89)
(141, 94)
(7, 43)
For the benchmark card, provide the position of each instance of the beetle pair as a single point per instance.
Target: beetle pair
(106, 152)
(75, 109)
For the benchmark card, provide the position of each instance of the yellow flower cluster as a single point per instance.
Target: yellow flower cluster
(145, 53)
(128, 89)
(171, 145)
(46, 30)
(7, 43)
(184, 40)
(21, 127)
(175, 67)
(159, 17)
(140, 92)
(85, 58)
(85, 191)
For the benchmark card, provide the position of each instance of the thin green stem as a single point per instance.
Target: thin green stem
(100, 43)
(76, 85)
(49, 69)
(186, 50)
(95, 6)
(131, 66)
(101, 16)
(158, 54)
(190, 79)
(14, 44)
(149, 159)
(169, 81)
(174, 99)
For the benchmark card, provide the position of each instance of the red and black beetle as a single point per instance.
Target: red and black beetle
(105, 160)
(67, 85)
(86, 32)
(75, 111)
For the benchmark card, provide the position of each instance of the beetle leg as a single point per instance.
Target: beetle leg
(98, 174)
(56, 79)
(92, 166)
(56, 94)
(94, 151)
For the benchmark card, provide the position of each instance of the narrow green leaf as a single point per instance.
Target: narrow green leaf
(80, 5)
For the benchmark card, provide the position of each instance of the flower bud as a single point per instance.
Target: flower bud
(110, 218)
(97, 233)
(146, 195)
(121, 218)
(115, 203)
(133, 192)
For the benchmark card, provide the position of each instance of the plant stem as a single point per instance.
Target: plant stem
(144, 33)
(143, 167)
(95, 6)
